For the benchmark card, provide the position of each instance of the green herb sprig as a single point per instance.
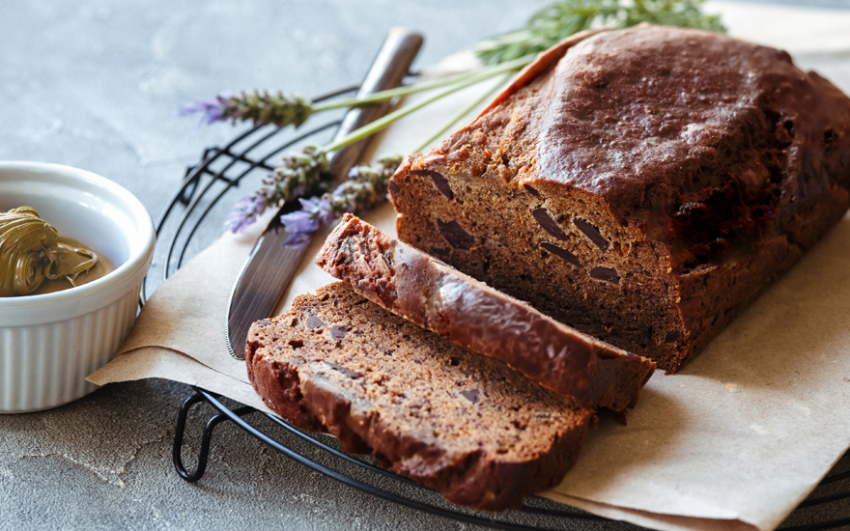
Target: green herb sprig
(561, 19)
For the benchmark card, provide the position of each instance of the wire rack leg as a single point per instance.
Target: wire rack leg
(204, 452)
(176, 452)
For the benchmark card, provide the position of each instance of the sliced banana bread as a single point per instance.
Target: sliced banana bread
(467, 312)
(464, 424)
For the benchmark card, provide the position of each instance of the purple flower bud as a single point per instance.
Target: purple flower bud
(244, 213)
(299, 240)
(300, 221)
(213, 109)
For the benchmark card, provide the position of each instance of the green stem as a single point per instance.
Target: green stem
(463, 112)
(478, 75)
(377, 125)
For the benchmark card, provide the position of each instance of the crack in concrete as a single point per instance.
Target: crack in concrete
(104, 473)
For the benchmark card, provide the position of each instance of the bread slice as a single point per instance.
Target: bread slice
(464, 424)
(440, 298)
(641, 185)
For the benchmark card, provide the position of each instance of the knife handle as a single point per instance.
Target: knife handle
(387, 72)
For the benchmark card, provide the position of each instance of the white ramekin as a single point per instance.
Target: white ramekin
(50, 343)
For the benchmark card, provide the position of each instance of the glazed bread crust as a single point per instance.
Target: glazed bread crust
(642, 185)
(464, 424)
(468, 313)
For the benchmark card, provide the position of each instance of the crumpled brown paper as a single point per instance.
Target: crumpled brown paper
(735, 440)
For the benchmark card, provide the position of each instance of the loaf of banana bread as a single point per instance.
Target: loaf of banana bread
(641, 185)
(461, 423)
(468, 313)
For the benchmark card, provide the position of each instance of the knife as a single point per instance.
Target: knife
(269, 268)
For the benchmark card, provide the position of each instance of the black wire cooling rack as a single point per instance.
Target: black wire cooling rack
(193, 218)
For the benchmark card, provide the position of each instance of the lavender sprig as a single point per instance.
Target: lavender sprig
(261, 108)
(365, 188)
(297, 173)
(279, 109)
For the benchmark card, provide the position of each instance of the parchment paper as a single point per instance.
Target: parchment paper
(734, 441)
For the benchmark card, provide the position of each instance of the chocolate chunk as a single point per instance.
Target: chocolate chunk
(455, 235)
(314, 322)
(471, 395)
(605, 273)
(440, 182)
(394, 189)
(441, 253)
(338, 332)
(548, 224)
(532, 191)
(296, 343)
(673, 336)
(563, 254)
(592, 232)
(344, 370)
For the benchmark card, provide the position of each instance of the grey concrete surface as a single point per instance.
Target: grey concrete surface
(93, 84)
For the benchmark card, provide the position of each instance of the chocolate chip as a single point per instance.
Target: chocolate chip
(592, 232)
(471, 395)
(394, 189)
(344, 370)
(563, 254)
(532, 191)
(296, 343)
(548, 224)
(314, 322)
(338, 332)
(605, 273)
(455, 235)
(454, 362)
(440, 182)
(673, 336)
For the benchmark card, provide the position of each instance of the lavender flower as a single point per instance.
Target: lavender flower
(302, 223)
(213, 109)
(261, 108)
(298, 172)
(366, 187)
(245, 212)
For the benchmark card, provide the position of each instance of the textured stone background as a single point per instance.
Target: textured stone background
(93, 84)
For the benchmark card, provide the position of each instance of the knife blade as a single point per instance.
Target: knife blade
(267, 272)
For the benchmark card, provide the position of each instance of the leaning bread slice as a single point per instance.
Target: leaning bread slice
(469, 313)
(464, 424)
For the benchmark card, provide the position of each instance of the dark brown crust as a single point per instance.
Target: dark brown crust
(719, 159)
(435, 296)
(474, 478)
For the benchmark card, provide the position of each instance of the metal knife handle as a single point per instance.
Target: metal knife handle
(269, 269)
(387, 72)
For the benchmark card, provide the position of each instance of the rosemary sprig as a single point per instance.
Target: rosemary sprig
(561, 19)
